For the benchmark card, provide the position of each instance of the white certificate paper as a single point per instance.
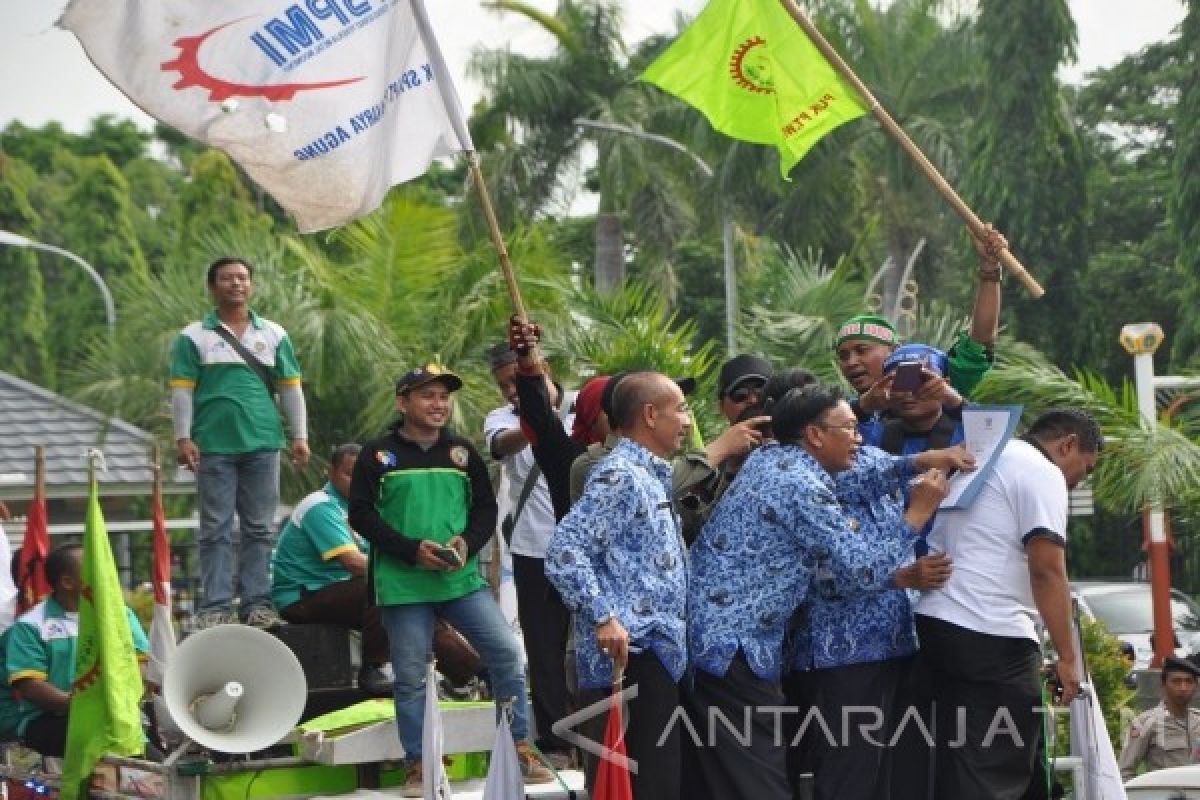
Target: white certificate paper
(986, 429)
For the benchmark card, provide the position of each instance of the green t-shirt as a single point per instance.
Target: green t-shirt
(233, 411)
(41, 644)
(9, 716)
(306, 555)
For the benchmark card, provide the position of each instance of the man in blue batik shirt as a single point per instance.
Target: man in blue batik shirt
(779, 529)
(619, 562)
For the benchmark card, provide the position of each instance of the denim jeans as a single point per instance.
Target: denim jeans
(249, 484)
(478, 618)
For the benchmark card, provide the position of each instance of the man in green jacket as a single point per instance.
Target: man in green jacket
(421, 496)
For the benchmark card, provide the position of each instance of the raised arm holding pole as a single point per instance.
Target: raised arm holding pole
(897, 133)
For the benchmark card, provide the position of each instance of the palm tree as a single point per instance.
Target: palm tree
(1140, 467)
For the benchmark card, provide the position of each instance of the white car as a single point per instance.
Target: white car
(1125, 609)
(1175, 783)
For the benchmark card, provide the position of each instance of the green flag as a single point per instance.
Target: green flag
(754, 73)
(104, 716)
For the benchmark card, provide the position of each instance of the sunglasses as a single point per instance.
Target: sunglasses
(743, 394)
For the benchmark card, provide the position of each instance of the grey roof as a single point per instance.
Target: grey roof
(31, 416)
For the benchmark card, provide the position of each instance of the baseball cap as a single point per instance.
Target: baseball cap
(427, 373)
(928, 355)
(742, 368)
(501, 355)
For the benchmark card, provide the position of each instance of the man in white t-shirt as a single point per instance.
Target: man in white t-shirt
(978, 633)
(530, 522)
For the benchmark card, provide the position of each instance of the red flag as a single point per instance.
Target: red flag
(612, 774)
(162, 631)
(162, 552)
(32, 585)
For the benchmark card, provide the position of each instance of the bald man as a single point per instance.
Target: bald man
(618, 560)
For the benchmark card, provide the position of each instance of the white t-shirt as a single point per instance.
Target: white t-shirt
(989, 589)
(534, 527)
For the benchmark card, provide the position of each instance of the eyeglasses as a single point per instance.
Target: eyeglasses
(852, 427)
(743, 394)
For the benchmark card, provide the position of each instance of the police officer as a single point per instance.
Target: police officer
(1167, 735)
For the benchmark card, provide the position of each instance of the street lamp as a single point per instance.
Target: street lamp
(1140, 340)
(110, 312)
(726, 223)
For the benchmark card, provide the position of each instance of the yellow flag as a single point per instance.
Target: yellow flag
(104, 716)
(749, 68)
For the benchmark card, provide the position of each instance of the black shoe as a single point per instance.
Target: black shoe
(376, 680)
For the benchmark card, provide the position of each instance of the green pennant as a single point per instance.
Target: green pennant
(749, 68)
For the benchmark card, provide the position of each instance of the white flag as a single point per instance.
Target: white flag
(325, 103)
(437, 785)
(1089, 737)
(504, 781)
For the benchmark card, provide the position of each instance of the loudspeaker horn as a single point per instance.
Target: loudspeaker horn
(234, 689)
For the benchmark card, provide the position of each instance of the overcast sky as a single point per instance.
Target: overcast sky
(45, 76)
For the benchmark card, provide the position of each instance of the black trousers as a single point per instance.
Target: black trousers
(544, 624)
(47, 735)
(344, 603)
(853, 755)
(987, 729)
(652, 728)
(751, 763)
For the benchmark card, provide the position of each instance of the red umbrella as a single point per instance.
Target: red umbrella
(612, 775)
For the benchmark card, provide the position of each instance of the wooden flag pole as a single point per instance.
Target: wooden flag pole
(896, 132)
(39, 471)
(489, 213)
(157, 485)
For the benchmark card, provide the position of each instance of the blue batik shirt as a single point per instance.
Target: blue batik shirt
(864, 628)
(618, 553)
(914, 444)
(778, 531)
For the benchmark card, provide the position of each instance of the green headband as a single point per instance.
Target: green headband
(867, 326)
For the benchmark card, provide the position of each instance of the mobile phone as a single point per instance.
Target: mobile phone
(449, 555)
(908, 377)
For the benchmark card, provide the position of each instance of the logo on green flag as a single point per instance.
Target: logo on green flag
(752, 71)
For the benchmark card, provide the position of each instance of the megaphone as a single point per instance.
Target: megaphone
(234, 689)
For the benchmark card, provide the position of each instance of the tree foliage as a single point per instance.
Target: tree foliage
(1026, 167)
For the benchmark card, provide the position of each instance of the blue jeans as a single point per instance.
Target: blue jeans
(478, 618)
(249, 484)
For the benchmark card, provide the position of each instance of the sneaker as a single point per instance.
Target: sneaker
(414, 781)
(376, 679)
(210, 619)
(556, 760)
(533, 769)
(264, 618)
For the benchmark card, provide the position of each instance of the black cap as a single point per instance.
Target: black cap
(499, 355)
(1172, 664)
(427, 373)
(742, 368)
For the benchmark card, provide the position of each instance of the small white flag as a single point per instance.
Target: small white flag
(437, 785)
(326, 104)
(504, 781)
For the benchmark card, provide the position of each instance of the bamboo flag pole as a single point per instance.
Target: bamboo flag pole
(896, 132)
(156, 486)
(445, 86)
(489, 213)
(39, 471)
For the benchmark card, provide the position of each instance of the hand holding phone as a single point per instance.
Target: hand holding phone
(448, 555)
(908, 377)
